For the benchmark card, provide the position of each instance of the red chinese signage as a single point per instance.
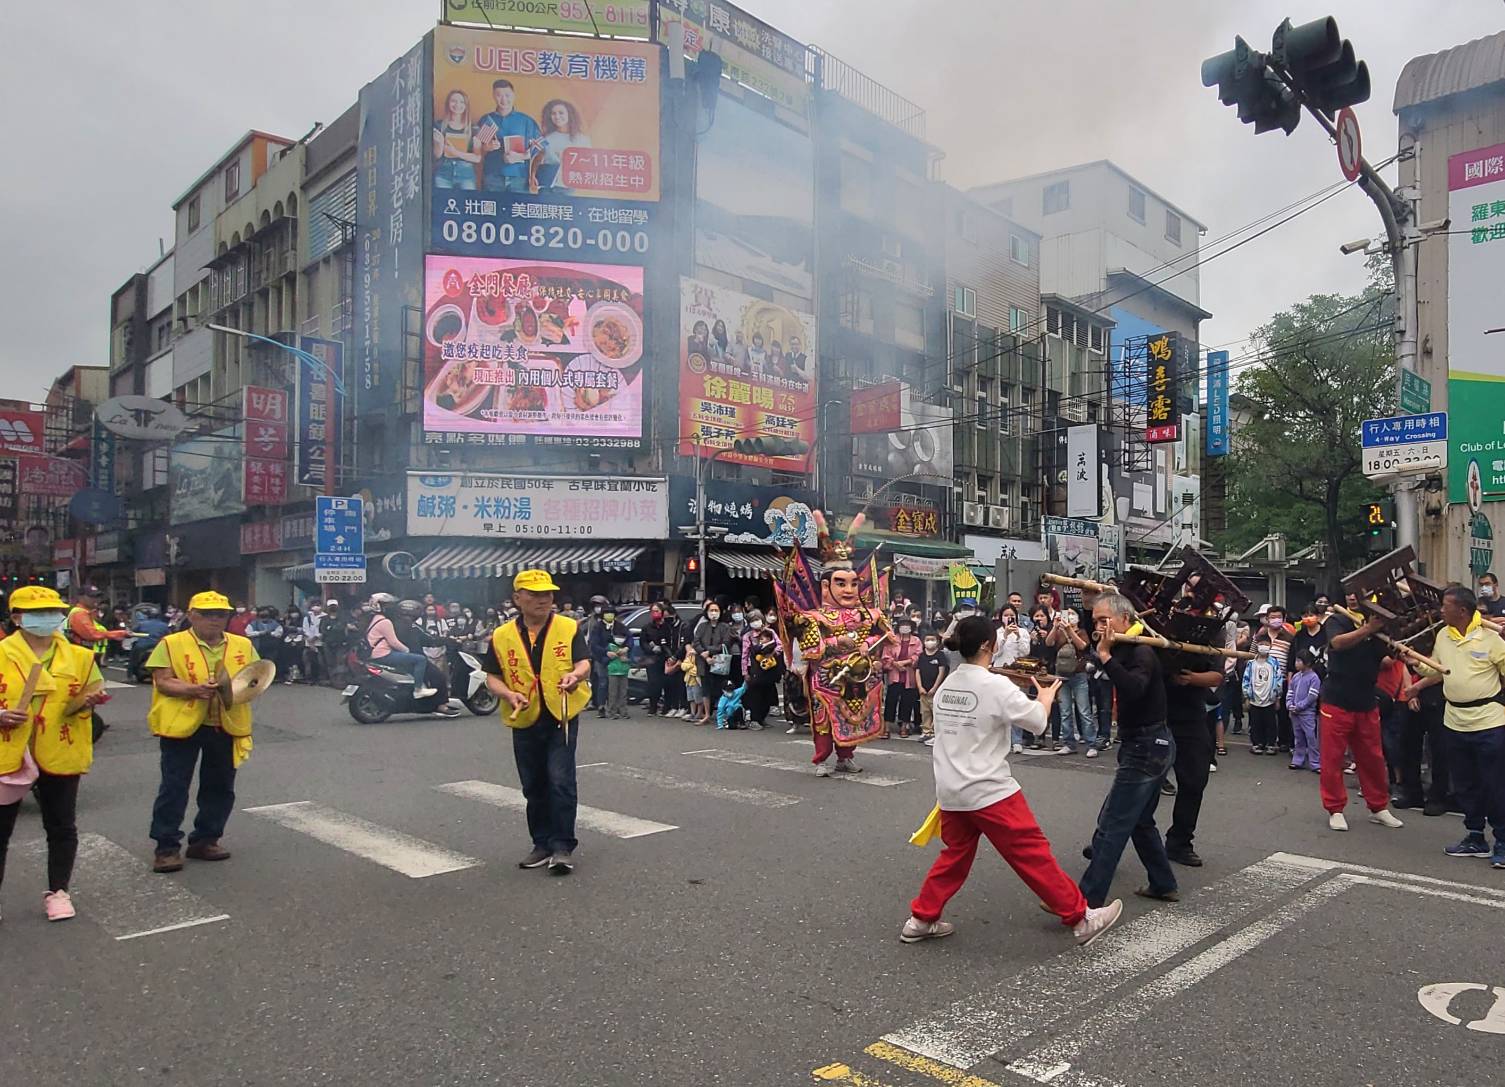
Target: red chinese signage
(52, 477)
(265, 414)
(877, 408)
(914, 521)
(21, 431)
(260, 537)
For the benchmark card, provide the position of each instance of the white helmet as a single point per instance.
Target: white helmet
(382, 601)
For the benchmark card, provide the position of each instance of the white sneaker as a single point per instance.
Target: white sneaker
(915, 930)
(791, 730)
(1092, 752)
(823, 770)
(1018, 749)
(1335, 821)
(1097, 921)
(1212, 768)
(425, 692)
(1386, 818)
(928, 741)
(1064, 750)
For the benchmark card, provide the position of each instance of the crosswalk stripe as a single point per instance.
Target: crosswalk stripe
(118, 890)
(761, 798)
(613, 823)
(413, 857)
(769, 763)
(869, 749)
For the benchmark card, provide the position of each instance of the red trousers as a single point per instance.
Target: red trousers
(1359, 732)
(1011, 827)
(824, 747)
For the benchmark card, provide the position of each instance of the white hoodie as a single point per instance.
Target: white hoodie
(975, 712)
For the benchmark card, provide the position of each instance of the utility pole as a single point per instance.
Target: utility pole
(1313, 67)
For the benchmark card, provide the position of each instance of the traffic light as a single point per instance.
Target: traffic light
(1379, 526)
(692, 564)
(771, 447)
(1244, 79)
(1321, 64)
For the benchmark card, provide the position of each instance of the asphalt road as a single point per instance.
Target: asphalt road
(733, 920)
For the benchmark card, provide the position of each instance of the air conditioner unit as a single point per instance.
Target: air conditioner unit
(974, 513)
(998, 517)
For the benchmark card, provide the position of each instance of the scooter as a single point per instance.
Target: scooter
(381, 690)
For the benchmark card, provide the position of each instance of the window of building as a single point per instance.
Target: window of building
(1018, 250)
(984, 488)
(1052, 320)
(1136, 204)
(1005, 409)
(909, 326)
(232, 181)
(857, 186)
(1017, 319)
(1172, 227)
(194, 213)
(857, 311)
(1096, 342)
(1057, 197)
(964, 301)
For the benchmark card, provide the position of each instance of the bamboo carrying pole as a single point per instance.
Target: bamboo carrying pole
(1077, 583)
(1400, 647)
(1184, 647)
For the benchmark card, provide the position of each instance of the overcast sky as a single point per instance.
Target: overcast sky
(109, 118)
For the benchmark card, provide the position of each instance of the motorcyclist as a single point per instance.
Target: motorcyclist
(409, 625)
(388, 647)
(148, 628)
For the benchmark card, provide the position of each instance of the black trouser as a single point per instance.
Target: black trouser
(1402, 749)
(1233, 704)
(57, 796)
(216, 787)
(758, 700)
(546, 772)
(1193, 757)
(653, 677)
(1262, 726)
(1439, 758)
(901, 705)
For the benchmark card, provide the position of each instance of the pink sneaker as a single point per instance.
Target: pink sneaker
(59, 906)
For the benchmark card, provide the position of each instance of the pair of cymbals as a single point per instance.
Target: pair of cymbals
(247, 685)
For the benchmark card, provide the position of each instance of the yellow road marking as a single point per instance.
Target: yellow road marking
(841, 1073)
(913, 1062)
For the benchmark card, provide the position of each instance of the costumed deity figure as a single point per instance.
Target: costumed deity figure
(839, 626)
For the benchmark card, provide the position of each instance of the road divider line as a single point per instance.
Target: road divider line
(1319, 864)
(967, 1032)
(743, 758)
(612, 823)
(761, 798)
(118, 890)
(913, 1062)
(413, 857)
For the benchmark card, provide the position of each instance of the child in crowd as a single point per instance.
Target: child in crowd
(617, 668)
(1301, 703)
(700, 708)
(1263, 682)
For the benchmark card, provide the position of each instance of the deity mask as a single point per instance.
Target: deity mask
(844, 591)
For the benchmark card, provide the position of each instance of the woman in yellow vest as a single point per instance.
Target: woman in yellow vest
(538, 665)
(189, 720)
(39, 741)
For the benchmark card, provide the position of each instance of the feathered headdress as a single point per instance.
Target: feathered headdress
(837, 554)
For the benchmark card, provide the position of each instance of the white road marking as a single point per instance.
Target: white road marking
(869, 749)
(806, 769)
(600, 820)
(118, 890)
(1437, 999)
(111, 685)
(413, 857)
(761, 798)
(971, 1030)
(1319, 864)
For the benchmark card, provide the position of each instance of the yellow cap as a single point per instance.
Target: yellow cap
(210, 601)
(36, 598)
(535, 581)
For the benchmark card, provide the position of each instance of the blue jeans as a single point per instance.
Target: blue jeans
(454, 174)
(1128, 812)
(1076, 711)
(507, 183)
(546, 771)
(216, 788)
(1477, 760)
(1102, 691)
(416, 663)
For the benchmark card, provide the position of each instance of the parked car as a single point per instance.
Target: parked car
(635, 619)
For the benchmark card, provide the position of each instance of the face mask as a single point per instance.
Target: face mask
(42, 624)
(1262, 650)
(965, 613)
(1310, 622)
(905, 630)
(1486, 590)
(757, 624)
(620, 640)
(596, 610)
(931, 645)
(736, 617)
(609, 617)
(713, 616)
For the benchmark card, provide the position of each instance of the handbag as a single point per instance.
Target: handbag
(721, 663)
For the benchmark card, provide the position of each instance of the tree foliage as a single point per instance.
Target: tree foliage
(1321, 368)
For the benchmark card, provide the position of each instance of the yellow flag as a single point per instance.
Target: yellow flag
(929, 830)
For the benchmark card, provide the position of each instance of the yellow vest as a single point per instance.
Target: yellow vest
(63, 746)
(517, 671)
(178, 718)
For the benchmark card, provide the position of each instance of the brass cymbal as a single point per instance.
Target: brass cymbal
(247, 685)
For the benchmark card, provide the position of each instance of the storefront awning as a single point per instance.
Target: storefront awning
(304, 571)
(490, 558)
(894, 544)
(752, 563)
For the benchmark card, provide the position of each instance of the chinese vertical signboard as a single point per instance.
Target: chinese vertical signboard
(102, 459)
(526, 351)
(618, 18)
(1083, 467)
(1162, 418)
(1217, 404)
(266, 445)
(747, 369)
(752, 53)
(392, 155)
(321, 407)
(550, 146)
(1476, 361)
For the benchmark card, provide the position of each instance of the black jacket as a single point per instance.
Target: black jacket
(667, 637)
(1137, 677)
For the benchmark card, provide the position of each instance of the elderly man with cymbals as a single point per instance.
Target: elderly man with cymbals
(195, 726)
(48, 689)
(539, 666)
